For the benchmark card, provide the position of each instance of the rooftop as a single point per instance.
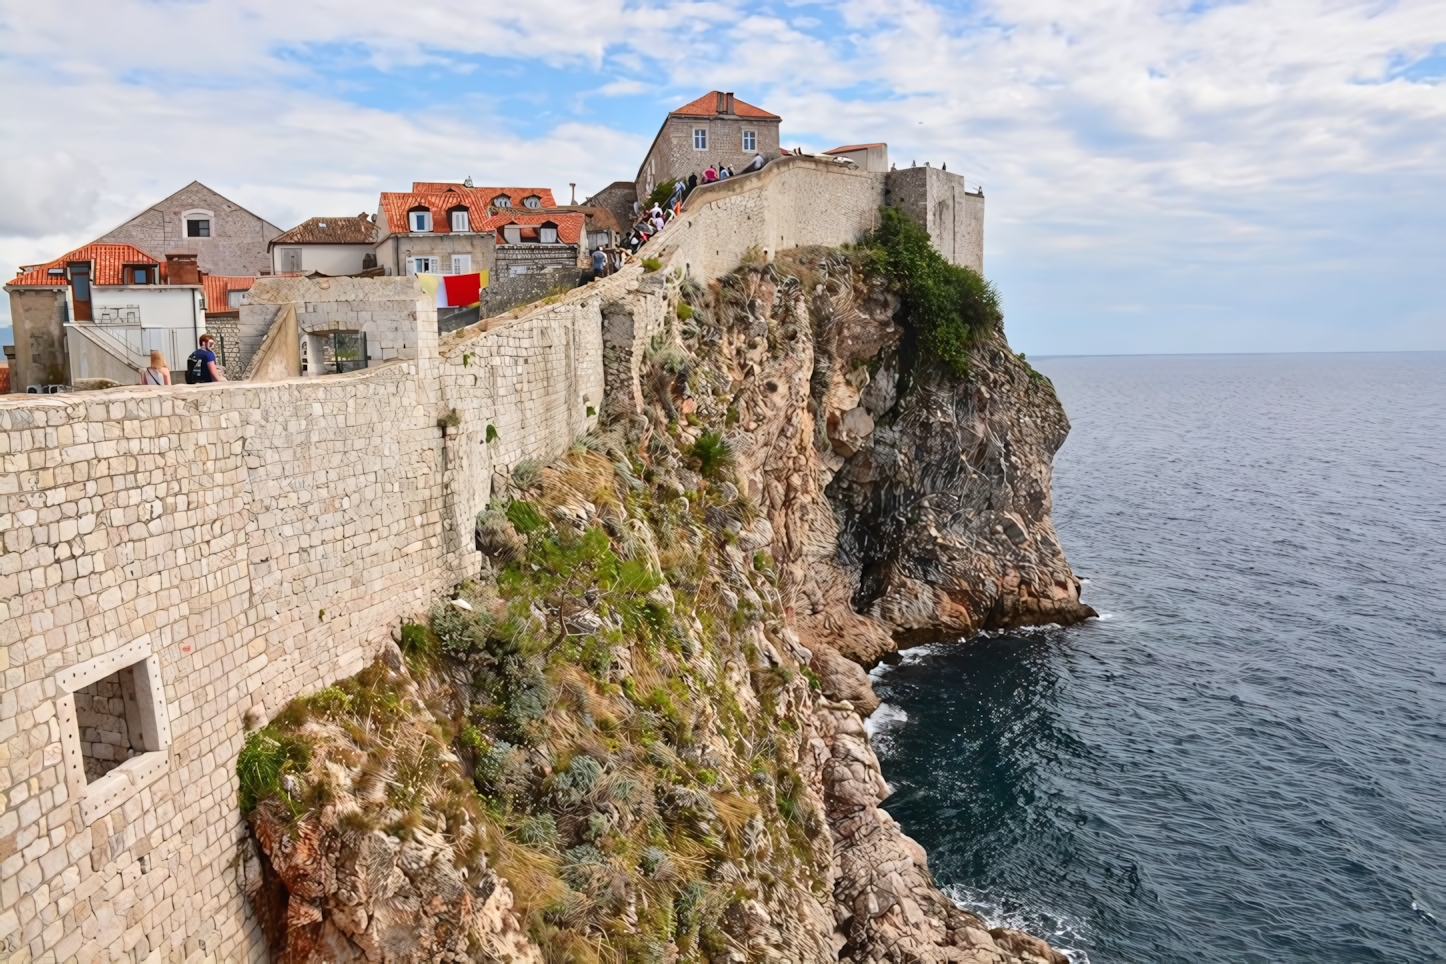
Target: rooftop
(358, 229)
(716, 102)
(107, 262)
(218, 285)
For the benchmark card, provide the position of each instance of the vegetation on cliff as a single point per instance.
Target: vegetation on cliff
(606, 692)
(946, 307)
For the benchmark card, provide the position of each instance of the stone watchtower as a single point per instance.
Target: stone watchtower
(717, 128)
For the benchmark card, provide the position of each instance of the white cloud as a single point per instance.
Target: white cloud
(1139, 142)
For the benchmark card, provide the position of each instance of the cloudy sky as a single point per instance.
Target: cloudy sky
(1267, 175)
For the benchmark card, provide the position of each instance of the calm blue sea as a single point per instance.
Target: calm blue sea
(1244, 758)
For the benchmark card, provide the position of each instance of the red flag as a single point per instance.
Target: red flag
(463, 290)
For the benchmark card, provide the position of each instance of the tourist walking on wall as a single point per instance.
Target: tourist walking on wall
(158, 372)
(599, 263)
(201, 366)
(710, 175)
(724, 173)
(692, 182)
(754, 165)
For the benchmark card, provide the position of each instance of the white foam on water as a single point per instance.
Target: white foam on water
(1059, 930)
(881, 724)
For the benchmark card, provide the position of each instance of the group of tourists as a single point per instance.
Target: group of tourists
(201, 366)
(660, 215)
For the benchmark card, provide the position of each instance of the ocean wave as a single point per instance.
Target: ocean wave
(1060, 930)
(881, 724)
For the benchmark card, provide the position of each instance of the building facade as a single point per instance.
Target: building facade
(717, 128)
(223, 237)
(331, 246)
(98, 312)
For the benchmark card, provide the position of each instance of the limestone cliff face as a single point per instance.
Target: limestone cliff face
(639, 734)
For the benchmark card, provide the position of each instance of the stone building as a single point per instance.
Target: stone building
(717, 128)
(939, 202)
(223, 237)
(329, 246)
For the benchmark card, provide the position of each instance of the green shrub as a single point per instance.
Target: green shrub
(945, 306)
(712, 453)
(524, 517)
(651, 264)
(685, 311)
(492, 435)
(662, 192)
(264, 758)
(526, 473)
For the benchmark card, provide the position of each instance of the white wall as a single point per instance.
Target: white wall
(329, 259)
(159, 306)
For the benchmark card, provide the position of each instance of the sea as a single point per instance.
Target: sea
(1244, 758)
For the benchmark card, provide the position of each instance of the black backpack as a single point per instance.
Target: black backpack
(195, 369)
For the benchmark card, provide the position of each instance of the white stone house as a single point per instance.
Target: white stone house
(336, 247)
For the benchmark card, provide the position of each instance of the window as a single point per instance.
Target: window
(502, 201)
(138, 275)
(198, 227)
(461, 264)
(532, 201)
(548, 234)
(750, 141)
(422, 265)
(512, 234)
(235, 299)
(348, 351)
(700, 138)
(290, 260)
(459, 219)
(114, 729)
(420, 220)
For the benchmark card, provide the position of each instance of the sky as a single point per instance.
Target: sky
(1159, 177)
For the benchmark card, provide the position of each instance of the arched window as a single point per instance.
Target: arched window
(457, 218)
(532, 201)
(198, 223)
(419, 219)
(502, 201)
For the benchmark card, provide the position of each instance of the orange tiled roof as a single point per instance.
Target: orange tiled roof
(107, 260)
(569, 224)
(217, 286)
(707, 106)
(352, 229)
(395, 205)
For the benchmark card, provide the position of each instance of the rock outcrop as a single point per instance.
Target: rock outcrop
(639, 735)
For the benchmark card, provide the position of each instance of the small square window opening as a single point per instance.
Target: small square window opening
(421, 221)
(198, 227)
(108, 713)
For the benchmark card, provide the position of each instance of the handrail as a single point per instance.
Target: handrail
(116, 348)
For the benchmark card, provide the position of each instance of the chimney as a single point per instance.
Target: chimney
(181, 269)
(721, 105)
(729, 97)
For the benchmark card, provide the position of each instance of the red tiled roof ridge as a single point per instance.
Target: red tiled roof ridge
(707, 106)
(854, 147)
(107, 258)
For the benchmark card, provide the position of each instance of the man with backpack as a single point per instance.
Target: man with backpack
(201, 366)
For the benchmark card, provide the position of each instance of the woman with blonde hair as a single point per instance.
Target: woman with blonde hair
(158, 373)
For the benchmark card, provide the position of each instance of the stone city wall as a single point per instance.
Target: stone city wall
(232, 546)
(228, 547)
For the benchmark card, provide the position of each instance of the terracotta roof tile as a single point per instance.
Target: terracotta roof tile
(853, 147)
(107, 262)
(217, 286)
(570, 225)
(395, 205)
(707, 106)
(351, 229)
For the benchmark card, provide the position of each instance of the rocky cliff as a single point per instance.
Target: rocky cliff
(637, 735)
